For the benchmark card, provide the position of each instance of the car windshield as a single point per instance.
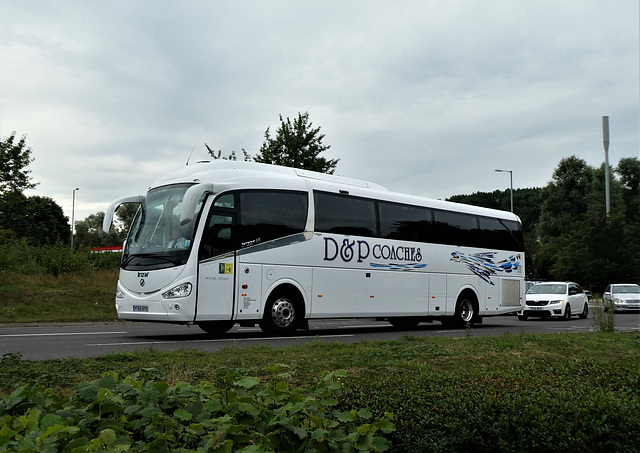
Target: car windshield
(627, 289)
(156, 239)
(557, 288)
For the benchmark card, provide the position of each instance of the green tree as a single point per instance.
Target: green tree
(14, 159)
(39, 220)
(629, 171)
(89, 232)
(218, 154)
(296, 144)
(565, 197)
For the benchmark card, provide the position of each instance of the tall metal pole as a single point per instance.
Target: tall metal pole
(73, 210)
(605, 141)
(510, 183)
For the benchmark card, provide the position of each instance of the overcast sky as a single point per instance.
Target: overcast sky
(424, 97)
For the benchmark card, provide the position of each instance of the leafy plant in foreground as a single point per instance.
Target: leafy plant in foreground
(142, 414)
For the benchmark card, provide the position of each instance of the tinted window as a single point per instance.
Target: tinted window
(266, 215)
(455, 228)
(501, 234)
(404, 222)
(343, 214)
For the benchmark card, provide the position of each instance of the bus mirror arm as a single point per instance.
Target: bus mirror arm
(190, 201)
(108, 214)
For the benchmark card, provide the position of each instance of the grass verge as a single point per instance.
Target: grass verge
(565, 392)
(71, 297)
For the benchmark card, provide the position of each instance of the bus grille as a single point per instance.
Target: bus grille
(511, 293)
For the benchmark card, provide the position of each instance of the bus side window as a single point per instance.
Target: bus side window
(218, 237)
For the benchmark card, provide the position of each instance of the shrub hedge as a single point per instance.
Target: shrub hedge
(147, 415)
(538, 408)
(23, 258)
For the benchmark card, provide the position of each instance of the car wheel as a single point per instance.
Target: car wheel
(523, 317)
(585, 311)
(567, 312)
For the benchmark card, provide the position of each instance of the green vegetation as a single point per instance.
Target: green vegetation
(564, 392)
(142, 414)
(53, 283)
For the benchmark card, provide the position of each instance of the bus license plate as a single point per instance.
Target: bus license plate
(144, 308)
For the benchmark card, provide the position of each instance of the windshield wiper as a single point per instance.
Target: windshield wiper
(143, 257)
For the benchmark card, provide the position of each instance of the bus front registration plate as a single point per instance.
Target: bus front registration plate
(144, 308)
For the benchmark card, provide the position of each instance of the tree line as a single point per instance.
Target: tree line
(568, 235)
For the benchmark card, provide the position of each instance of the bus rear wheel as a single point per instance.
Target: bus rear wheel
(216, 327)
(466, 311)
(282, 315)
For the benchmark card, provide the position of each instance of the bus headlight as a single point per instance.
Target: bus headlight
(182, 290)
(119, 293)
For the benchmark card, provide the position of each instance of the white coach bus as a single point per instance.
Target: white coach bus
(225, 242)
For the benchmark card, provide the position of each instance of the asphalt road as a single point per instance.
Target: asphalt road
(57, 341)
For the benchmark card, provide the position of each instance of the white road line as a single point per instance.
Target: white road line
(58, 334)
(230, 340)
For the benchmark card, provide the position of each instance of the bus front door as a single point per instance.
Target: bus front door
(216, 274)
(216, 283)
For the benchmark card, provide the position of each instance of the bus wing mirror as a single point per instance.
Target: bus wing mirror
(190, 201)
(108, 214)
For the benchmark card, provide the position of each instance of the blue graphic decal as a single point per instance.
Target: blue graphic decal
(483, 265)
(397, 266)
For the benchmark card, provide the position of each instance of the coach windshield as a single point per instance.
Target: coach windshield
(156, 239)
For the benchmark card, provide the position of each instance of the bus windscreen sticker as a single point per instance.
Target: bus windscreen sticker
(225, 268)
(483, 264)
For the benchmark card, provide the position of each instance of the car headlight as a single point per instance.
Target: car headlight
(551, 302)
(617, 301)
(182, 290)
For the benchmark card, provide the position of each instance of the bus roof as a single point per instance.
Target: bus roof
(258, 175)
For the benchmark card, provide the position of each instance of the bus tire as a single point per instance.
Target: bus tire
(466, 311)
(216, 327)
(404, 322)
(282, 314)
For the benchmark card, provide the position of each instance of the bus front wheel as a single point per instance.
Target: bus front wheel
(216, 327)
(282, 315)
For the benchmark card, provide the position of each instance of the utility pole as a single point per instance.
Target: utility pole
(510, 183)
(73, 211)
(605, 141)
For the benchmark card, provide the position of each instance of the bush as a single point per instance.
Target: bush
(141, 413)
(23, 258)
(538, 408)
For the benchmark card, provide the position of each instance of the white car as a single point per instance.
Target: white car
(624, 296)
(555, 299)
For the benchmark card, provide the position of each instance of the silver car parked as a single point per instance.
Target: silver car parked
(623, 296)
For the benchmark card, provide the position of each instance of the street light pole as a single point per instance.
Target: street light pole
(510, 183)
(73, 211)
(605, 142)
